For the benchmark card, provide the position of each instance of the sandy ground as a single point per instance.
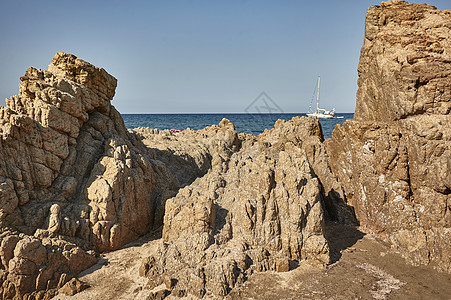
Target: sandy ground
(364, 268)
(116, 274)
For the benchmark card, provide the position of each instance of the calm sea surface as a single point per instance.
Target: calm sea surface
(248, 123)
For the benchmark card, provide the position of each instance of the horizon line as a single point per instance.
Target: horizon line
(218, 113)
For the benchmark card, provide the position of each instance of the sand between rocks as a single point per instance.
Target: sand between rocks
(364, 268)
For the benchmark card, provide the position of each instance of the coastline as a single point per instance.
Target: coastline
(253, 123)
(220, 213)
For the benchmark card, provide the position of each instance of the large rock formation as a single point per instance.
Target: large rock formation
(72, 178)
(74, 182)
(394, 158)
(258, 208)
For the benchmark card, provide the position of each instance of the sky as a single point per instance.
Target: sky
(198, 56)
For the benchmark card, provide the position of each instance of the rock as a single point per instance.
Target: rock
(76, 159)
(335, 202)
(33, 265)
(160, 295)
(282, 265)
(54, 219)
(72, 178)
(393, 159)
(169, 282)
(407, 46)
(7, 246)
(73, 287)
(258, 207)
(74, 181)
(178, 293)
(31, 249)
(190, 154)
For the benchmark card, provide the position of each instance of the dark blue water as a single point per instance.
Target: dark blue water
(248, 123)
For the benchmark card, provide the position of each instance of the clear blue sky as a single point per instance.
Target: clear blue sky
(195, 56)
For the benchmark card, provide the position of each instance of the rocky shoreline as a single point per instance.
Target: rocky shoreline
(222, 206)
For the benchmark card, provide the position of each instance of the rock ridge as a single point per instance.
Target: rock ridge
(258, 208)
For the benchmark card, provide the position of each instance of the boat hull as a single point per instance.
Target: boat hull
(321, 116)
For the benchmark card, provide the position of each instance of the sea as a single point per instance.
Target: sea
(254, 123)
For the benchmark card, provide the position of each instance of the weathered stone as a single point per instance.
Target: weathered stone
(190, 154)
(7, 246)
(169, 282)
(54, 219)
(72, 178)
(258, 207)
(70, 171)
(407, 47)
(159, 295)
(73, 287)
(394, 159)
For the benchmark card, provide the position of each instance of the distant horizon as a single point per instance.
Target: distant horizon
(219, 113)
(254, 123)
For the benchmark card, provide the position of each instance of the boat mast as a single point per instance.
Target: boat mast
(317, 96)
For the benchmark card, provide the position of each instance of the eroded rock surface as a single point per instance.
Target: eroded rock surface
(258, 208)
(191, 153)
(72, 178)
(394, 158)
(75, 182)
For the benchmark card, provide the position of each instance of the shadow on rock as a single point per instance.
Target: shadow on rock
(184, 168)
(341, 237)
(100, 263)
(337, 210)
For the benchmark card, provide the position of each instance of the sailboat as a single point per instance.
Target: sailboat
(320, 112)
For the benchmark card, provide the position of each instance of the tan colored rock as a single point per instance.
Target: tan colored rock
(9, 202)
(54, 219)
(256, 209)
(7, 246)
(70, 173)
(311, 141)
(394, 159)
(73, 287)
(408, 47)
(190, 154)
(34, 265)
(159, 295)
